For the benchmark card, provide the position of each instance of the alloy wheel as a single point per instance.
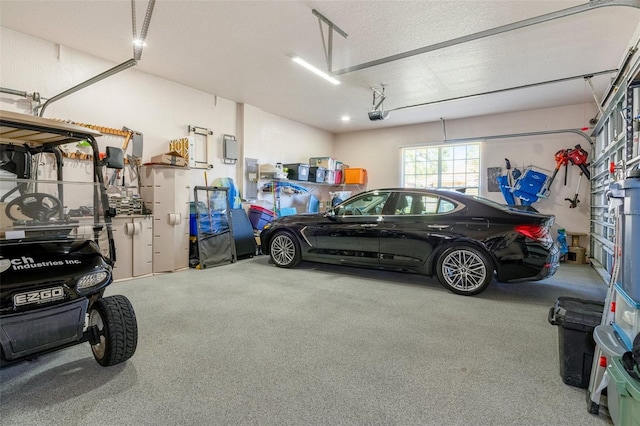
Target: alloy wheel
(464, 270)
(283, 250)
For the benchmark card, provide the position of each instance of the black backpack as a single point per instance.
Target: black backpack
(631, 359)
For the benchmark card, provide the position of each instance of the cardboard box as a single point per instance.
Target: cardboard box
(184, 147)
(172, 158)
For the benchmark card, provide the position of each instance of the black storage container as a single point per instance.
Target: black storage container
(317, 174)
(297, 171)
(576, 319)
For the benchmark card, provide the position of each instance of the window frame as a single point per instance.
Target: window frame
(473, 190)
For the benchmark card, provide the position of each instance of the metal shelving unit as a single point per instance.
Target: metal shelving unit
(616, 141)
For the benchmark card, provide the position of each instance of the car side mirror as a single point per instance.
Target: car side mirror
(114, 158)
(330, 214)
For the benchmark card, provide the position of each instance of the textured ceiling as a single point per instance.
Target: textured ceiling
(240, 50)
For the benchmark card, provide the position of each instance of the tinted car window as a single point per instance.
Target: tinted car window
(445, 206)
(368, 204)
(421, 204)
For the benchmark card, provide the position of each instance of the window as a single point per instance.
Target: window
(444, 166)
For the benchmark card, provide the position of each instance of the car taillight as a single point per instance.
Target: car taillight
(535, 232)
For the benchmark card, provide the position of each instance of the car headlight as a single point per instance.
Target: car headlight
(92, 280)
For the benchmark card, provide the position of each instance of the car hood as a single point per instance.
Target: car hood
(299, 218)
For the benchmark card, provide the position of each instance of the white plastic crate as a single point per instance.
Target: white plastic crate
(626, 320)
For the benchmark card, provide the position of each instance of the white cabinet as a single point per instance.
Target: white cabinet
(165, 191)
(133, 237)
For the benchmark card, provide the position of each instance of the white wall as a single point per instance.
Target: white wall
(379, 151)
(272, 139)
(162, 110)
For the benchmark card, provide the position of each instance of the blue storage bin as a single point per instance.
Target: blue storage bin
(287, 211)
(217, 224)
(259, 217)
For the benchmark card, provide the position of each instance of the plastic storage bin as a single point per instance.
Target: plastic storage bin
(355, 176)
(288, 211)
(630, 273)
(623, 395)
(297, 171)
(217, 224)
(259, 217)
(576, 319)
(626, 318)
(316, 174)
(328, 163)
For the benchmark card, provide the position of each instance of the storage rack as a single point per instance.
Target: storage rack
(312, 187)
(616, 141)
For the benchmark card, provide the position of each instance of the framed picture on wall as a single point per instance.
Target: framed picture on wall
(492, 176)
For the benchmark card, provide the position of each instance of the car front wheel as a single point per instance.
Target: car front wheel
(284, 250)
(464, 270)
(117, 329)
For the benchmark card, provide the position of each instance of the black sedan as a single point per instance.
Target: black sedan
(462, 239)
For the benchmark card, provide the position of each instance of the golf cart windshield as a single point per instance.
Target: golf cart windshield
(52, 183)
(50, 210)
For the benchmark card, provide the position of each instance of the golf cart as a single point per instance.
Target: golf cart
(56, 244)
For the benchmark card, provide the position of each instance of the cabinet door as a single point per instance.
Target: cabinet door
(183, 195)
(166, 191)
(142, 246)
(123, 267)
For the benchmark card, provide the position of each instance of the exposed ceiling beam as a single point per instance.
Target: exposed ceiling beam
(594, 4)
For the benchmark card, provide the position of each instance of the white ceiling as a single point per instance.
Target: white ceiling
(240, 50)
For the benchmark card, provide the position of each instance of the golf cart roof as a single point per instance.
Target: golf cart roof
(20, 129)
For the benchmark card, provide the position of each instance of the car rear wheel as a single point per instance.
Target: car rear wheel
(464, 270)
(284, 250)
(117, 329)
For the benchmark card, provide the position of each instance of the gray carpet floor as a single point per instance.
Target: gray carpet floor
(248, 343)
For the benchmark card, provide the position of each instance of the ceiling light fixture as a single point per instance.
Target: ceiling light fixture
(346, 118)
(314, 70)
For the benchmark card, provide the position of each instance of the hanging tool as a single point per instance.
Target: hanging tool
(511, 181)
(578, 157)
(573, 202)
(561, 160)
(509, 175)
(505, 183)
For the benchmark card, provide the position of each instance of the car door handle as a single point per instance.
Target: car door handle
(438, 226)
(369, 225)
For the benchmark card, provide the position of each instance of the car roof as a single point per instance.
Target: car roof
(441, 191)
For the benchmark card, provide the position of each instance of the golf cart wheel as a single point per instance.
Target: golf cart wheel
(464, 270)
(284, 250)
(117, 328)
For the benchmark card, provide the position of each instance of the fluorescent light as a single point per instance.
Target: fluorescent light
(346, 118)
(314, 70)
